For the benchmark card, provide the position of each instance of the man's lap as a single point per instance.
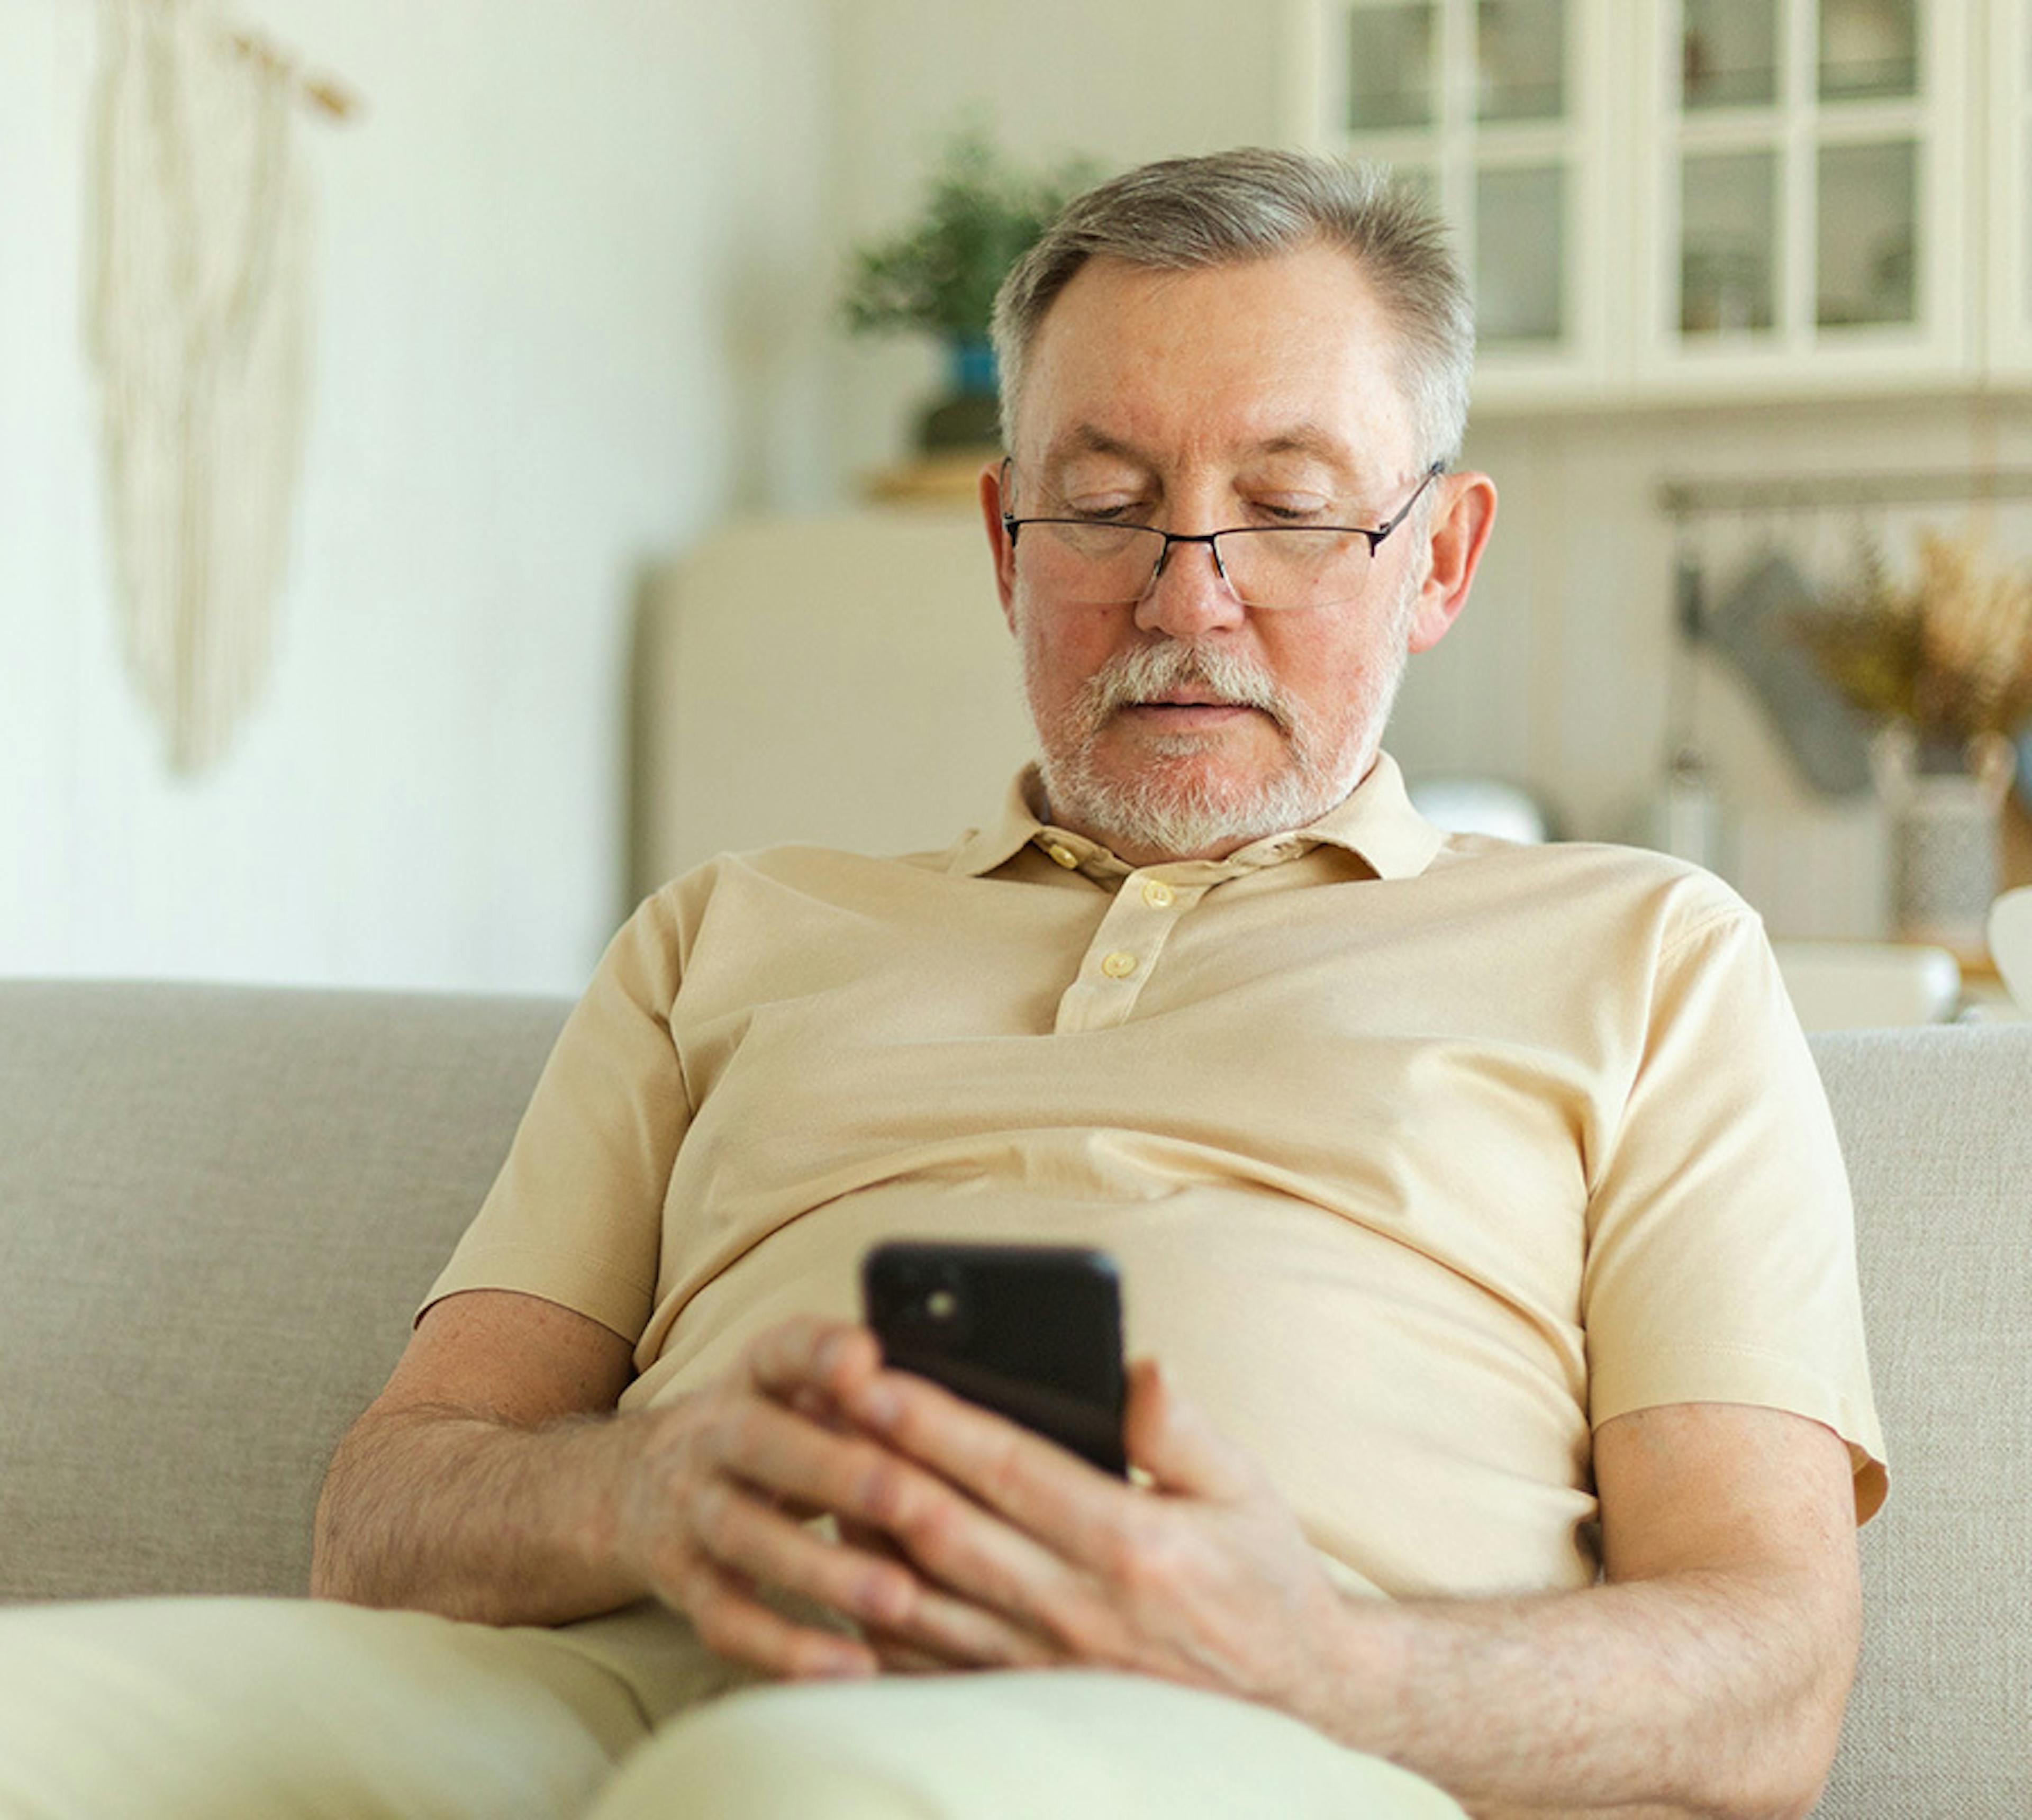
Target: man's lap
(1056, 1745)
(226, 1708)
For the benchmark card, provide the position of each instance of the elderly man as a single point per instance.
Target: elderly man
(1501, 1412)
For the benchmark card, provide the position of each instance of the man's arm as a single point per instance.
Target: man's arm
(1707, 1675)
(481, 1482)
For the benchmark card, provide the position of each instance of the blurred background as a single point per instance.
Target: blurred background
(608, 543)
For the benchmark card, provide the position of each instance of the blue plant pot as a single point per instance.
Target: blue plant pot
(966, 417)
(971, 367)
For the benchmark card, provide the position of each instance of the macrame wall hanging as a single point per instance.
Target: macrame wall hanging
(198, 326)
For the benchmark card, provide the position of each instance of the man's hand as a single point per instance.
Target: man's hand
(1199, 1573)
(968, 1541)
(716, 1510)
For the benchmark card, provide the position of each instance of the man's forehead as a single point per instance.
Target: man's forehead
(1290, 356)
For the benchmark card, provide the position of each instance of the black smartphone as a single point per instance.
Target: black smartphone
(1032, 1331)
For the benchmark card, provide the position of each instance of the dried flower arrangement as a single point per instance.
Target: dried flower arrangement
(1950, 654)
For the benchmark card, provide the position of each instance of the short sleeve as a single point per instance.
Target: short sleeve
(1721, 1246)
(576, 1214)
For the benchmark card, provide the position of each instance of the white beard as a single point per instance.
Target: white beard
(1185, 811)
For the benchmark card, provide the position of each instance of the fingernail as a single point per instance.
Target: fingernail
(877, 1405)
(847, 1665)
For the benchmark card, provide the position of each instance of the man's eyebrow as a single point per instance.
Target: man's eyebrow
(1308, 439)
(1313, 439)
(1091, 440)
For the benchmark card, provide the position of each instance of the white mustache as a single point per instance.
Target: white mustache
(1155, 670)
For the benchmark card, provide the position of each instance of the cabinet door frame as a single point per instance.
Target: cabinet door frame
(1798, 357)
(2006, 149)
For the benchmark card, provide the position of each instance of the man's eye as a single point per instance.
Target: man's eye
(1294, 511)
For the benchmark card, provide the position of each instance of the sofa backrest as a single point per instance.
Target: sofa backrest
(218, 1205)
(1936, 1127)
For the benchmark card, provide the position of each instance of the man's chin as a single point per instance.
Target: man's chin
(1192, 807)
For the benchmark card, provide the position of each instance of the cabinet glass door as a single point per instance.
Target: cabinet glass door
(1811, 205)
(1869, 49)
(1520, 253)
(1481, 106)
(1867, 211)
(1520, 60)
(1728, 54)
(1393, 67)
(1730, 245)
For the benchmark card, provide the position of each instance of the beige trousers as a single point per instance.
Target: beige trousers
(236, 1709)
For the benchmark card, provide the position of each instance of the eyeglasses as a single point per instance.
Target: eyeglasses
(1096, 562)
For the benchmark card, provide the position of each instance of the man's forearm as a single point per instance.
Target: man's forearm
(1695, 1694)
(439, 1510)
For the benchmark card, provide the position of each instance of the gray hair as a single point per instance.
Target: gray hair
(1252, 204)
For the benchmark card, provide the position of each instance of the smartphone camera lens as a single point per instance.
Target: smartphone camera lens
(942, 1305)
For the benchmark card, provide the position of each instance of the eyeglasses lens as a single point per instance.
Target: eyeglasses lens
(1266, 567)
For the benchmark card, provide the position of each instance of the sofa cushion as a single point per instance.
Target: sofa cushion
(218, 1207)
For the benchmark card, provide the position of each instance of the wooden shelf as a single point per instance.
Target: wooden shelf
(951, 478)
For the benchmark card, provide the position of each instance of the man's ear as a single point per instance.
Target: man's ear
(1462, 518)
(999, 541)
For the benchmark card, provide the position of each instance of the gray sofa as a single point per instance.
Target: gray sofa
(218, 1206)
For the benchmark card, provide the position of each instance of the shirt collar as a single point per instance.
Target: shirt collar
(1376, 823)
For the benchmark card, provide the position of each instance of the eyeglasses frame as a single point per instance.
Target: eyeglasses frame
(1011, 525)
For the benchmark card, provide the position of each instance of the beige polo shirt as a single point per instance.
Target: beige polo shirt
(1419, 1153)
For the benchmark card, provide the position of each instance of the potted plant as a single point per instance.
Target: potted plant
(1943, 665)
(940, 277)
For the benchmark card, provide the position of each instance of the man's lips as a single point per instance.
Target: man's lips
(1190, 712)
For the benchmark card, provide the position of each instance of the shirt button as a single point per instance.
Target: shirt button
(1119, 965)
(1157, 893)
(1064, 855)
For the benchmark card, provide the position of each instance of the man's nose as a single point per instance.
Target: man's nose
(1189, 597)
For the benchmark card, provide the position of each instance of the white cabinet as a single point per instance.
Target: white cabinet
(1675, 200)
(1808, 213)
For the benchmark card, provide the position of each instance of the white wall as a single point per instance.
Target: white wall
(571, 312)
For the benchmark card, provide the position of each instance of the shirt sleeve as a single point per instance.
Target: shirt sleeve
(1721, 1243)
(576, 1214)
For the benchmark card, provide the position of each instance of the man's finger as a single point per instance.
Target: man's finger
(805, 1352)
(1177, 1446)
(732, 1623)
(744, 1533)
(1073, 1509)
(900, 1656)
(810, 1468)
(740, 1533)
(962, 1635)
